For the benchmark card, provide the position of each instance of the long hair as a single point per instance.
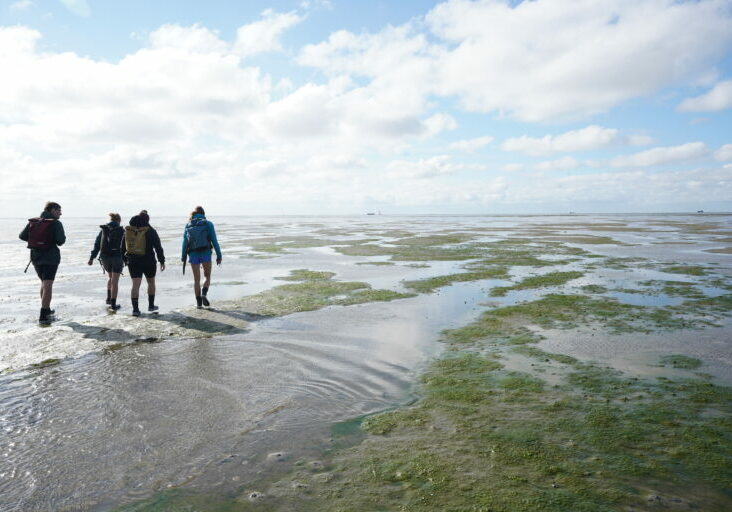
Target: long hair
(196, 210)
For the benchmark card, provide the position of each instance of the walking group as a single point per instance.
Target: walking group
(136, 246)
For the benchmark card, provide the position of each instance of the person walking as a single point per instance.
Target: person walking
(44, 235)
(141, 240)
(199, 236)
(109, 245)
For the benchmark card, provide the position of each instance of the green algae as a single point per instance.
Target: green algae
(310, 290)
(431, 284)
(376, 263)
(594, 288)
(549, 279)
(681, 361)
(690, 270)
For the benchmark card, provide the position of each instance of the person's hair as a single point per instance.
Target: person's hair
(115, 217)
(144, 217)
(51, 206)
(198, 209)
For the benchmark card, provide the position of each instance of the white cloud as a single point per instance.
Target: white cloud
(662, 155)
(584, 139)
(562, 58)
(560, 164)
(264, 35)
(514, 167)
(196, 39)
(471, 145)
(21, 5)
(78, 7)
(425, 168)
(719, 98)
(724, 153)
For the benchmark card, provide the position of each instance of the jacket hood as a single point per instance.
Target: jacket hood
(135, 221)
(46, 215)
(198, 216)
(110, 224)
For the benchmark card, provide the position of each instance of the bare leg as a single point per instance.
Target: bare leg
(196, 269)
(206, 274)
(135, 293)
(113, 284)
(151, 286)
(46, 293)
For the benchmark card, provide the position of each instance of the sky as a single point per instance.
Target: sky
(311, 107)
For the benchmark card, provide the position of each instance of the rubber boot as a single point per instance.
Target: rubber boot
(199, 302)
(135, 307)
(205, 301)
(151, 307)
(43, 317)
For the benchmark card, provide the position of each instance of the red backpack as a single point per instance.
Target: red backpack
(40, 233)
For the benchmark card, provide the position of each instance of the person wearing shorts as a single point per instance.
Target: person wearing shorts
(46, 261)
(109, 246)
(200, 257)
(145, 264)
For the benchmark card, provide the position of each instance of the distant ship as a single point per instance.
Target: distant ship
(372, 213)
(700, 211)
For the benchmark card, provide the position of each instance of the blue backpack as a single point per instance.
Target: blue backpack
(197, 235)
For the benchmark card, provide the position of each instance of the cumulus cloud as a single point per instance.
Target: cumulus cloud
(425, 168)
(584, 139)
(724, 153)
(662, 155)
(719, 98)
(561, 164)
(471, 145)
(264, 35)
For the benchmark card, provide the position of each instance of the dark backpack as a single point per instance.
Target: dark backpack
(111, 241)
(197, 235)
(40, 233)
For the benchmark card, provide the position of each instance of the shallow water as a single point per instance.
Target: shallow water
(109, 427)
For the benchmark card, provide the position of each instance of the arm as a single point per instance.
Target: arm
(214, 241)
(24, 234)
(184, 248)
(97, 246)
(59, 233)
(158, 246)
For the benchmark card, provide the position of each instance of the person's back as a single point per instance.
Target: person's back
(142, 247)
(44, 235)
(109, 245)
(199, 238)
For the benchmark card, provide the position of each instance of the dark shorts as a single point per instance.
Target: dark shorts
(112, 264)
(140, 266)
(198, 258)
(46, 272)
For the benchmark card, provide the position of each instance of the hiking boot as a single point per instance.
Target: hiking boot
(205, 301)
(136, 312)
(153, 309)
(199, 302)
(43, 319)
(114, 307)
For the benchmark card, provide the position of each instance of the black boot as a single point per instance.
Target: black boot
(113, 306)
(199, 301)
(205, 301)
(151, 304)
(43, 318)
(109, 296)
(135, 307)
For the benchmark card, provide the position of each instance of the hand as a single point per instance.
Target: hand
(218, 261)
(183, 259)
(91, 260)
(162, 267)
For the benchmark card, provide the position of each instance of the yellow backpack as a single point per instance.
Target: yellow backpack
(135, 240)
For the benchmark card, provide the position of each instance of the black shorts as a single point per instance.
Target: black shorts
(46, 272)
(140, 266)
(112, 264)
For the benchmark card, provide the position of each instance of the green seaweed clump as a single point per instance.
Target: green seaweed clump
(681, 361)
(431, 284)
(550, 279)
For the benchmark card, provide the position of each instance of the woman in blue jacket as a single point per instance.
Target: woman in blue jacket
(199, 237)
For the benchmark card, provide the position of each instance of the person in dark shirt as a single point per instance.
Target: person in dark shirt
(47, 259)
(139, 264)
(109, 245)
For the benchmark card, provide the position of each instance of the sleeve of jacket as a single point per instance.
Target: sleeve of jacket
(124, 250)
(157, 246)
(214, 241)
(24, 234)
(97, 246)
(184, 247)
(59, 233)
